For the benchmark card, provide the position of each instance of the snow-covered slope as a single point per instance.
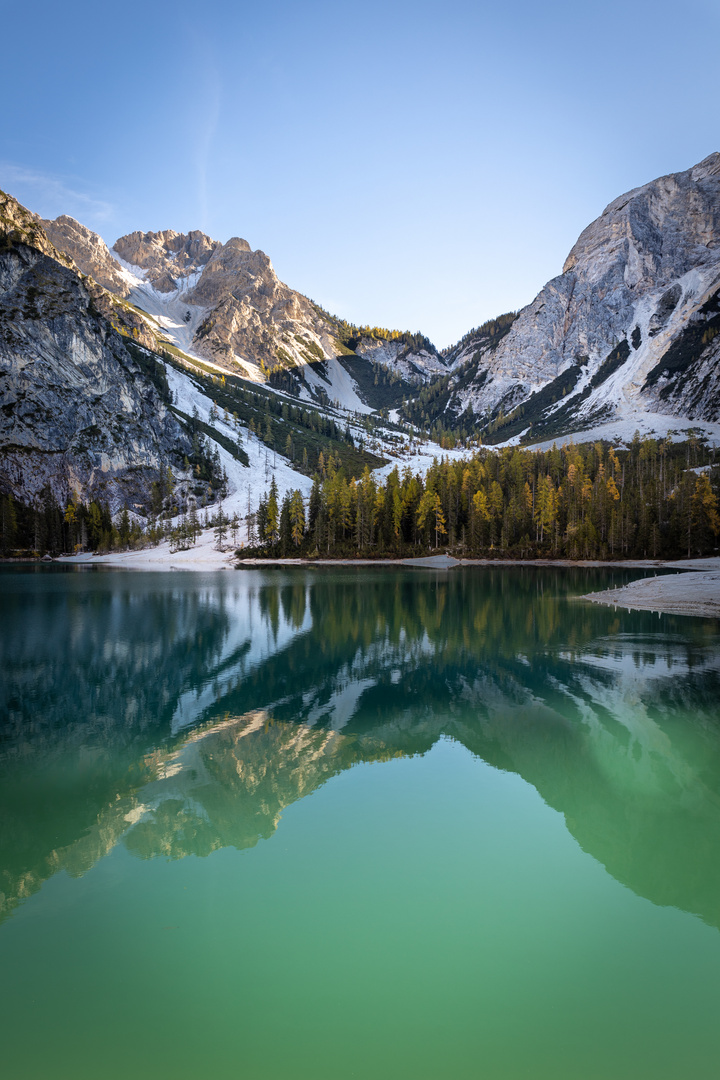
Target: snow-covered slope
(246, 483)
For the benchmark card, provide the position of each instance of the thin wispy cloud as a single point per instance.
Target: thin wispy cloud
(51, 195)
(209, 101)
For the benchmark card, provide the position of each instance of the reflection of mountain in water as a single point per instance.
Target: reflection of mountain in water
(291, 678)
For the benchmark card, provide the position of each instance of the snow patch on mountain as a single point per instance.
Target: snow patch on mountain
(247, 484)
(338, 384)
(622, 428)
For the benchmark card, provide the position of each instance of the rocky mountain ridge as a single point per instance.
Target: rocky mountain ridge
(629, 326)
(225, 303)
(166, 257)
(628, 329)
(88, 251)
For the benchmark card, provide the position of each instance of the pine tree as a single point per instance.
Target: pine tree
(439, 519)
(124, 528)
(9, 522)
(297, 518)
(272, 515)
(705, 516)
(285, 527)
(220, 530)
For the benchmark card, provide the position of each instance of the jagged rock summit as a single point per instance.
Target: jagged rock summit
(626, 334)
(238, 313)
(637, 281)
(166, 257)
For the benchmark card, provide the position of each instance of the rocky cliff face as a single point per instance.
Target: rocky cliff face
(88, 251)
(631, 325)
(77, 412)
(637, 277)
(251, 313)
(418, 365)
(240, 308)
(20, 226)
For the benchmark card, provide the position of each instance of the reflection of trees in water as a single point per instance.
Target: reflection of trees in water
(101, 656)
(497, 661)
(516, 627)
(615, 724)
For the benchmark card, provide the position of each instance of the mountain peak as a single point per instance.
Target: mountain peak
(18, 225)
(635, 228)
(88, 251)
(166, 256)
(236, 243)
(629, 326)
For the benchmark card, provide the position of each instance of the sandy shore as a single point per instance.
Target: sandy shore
(203, 557)
(691, 593)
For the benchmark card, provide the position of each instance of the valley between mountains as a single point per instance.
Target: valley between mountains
(174, 376)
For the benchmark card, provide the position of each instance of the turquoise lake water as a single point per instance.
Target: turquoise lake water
(356, 822)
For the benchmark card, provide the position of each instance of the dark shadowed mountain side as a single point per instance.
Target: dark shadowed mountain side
(80, 414)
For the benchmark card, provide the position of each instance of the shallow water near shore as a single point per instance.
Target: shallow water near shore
(356, 822)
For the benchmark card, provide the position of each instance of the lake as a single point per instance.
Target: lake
(356, 822)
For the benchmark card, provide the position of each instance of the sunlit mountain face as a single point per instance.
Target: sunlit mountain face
(178, 715)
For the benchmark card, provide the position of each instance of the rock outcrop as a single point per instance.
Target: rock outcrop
(19, 225)
(252, 314)
(78, 413)
(414, 365)
(88, 251)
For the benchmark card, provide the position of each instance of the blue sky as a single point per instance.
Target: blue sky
(414, 165)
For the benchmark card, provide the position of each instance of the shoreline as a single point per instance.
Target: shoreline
(695, 593)
(204, 556)
(449, 562)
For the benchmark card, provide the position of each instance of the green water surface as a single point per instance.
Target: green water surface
(356, 822)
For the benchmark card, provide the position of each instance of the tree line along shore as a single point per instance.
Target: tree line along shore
(652, 499)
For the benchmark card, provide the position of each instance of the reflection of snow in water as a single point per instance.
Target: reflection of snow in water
(619, 683)
(340, 707)
(253, 636)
